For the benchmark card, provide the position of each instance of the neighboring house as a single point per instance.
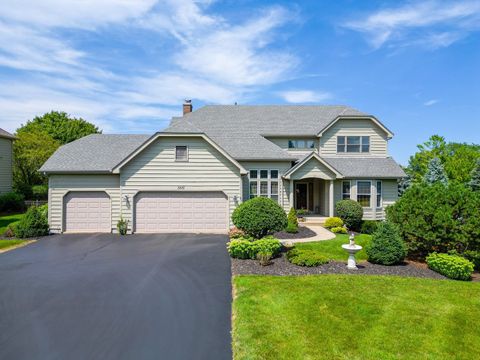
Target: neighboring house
(6, 161)
(191, 176)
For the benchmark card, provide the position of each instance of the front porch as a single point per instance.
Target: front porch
(312, 195)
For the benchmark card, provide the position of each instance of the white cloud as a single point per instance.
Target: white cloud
(304, 96)
(214, 60)
(431, 23)
(430, 102)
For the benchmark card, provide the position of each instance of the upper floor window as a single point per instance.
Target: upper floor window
(301, 144)
(353, 144)
(264, 183)
(181, 153)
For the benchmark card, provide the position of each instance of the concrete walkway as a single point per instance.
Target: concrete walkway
(322, 234)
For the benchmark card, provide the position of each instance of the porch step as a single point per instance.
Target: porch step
(314, 220)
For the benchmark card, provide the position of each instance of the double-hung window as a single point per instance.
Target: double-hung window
(353, 144)
(346, 190)
(263, 183)
(379, 194)
(364, 193)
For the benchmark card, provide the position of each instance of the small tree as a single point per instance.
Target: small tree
(387, 247)
(292, 226)
(475, 181)
(435, 173)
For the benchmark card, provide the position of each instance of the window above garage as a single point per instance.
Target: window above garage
(181, 153)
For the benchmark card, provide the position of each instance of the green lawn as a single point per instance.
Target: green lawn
(355, 317)
(333, 248)
(7, 220)
(9, 243)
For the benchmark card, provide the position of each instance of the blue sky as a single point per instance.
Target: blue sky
(127, 65)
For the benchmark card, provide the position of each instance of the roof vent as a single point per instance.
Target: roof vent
(187, 106)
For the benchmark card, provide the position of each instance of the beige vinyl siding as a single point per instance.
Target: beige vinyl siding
(389, 196)
(5, 165)
(61, 185)
(155, 169)
(345, 127)
(313, 169)
(283, 143)
(283, 185)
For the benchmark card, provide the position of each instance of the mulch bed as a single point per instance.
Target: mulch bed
(281, 267)
(303, 232)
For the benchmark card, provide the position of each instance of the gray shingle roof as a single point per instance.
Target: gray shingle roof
(94, 153)
(6, 134)
(240, 129)
(355, 167)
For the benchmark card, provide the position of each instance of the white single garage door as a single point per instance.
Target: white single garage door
(87, 212)
(171, 212)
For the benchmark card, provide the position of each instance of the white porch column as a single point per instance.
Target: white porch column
(290, 195)
(331, 199)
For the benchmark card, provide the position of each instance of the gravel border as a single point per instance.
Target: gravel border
(303, 233)
(282, 267)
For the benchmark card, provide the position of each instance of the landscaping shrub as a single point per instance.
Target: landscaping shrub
(333, 222)
(122, 226)
(306, 257)
(247, 249)
(12, 202)
(264, 257)
(474, 257)
(435, 218)
(235, 233)
(369, 226)
(386, 247)
(351, 212)
(451, 266)
(292, 221)
(43, 210)
(339, 230)
(33, 223)
(259, 217)
(39, 192)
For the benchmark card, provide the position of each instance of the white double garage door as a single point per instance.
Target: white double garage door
(154, 212)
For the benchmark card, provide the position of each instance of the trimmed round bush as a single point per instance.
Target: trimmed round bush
(351, 212)
(369, 226)
(247, 249)
(339, 230)
(452, 266)
(386, 247)
(34, 223)
(259, 217)
(333, 222)
(306, 257)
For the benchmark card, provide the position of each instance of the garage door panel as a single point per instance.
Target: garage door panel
(181, 212)
(87, 212)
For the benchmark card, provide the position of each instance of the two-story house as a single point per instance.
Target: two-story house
(191, 176)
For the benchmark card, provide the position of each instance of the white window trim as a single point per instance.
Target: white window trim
(371, 193)
(269, 181)
(350, 183)
(345, 146)
(381, 194)
(188, 153)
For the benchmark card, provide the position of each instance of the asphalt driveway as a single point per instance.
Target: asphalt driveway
(109, 297)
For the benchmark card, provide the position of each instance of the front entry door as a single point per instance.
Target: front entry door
(301, 192)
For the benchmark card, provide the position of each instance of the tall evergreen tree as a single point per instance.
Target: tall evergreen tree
(404, 184)
(435, 173)
(475, 181)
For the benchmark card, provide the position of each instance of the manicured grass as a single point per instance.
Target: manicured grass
(4, 244)
(7, 220)
(332, 249)
(355, 317)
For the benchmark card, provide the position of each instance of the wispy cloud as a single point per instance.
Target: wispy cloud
(304, 96)
(212, 59)
(432, 23)
(430, 102)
